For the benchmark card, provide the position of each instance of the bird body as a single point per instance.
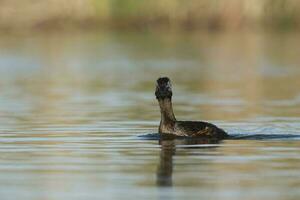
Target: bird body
(169, 125)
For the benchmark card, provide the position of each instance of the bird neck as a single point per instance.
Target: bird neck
(166, 110)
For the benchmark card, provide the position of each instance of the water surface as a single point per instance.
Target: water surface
(74, 105)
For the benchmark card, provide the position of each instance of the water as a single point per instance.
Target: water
(78, 115)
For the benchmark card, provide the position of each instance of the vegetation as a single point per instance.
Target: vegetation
(189, 14)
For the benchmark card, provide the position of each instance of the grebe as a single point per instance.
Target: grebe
(170, 126)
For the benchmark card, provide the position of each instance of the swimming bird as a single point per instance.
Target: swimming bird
(170, 126)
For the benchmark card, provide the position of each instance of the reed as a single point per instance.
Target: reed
(208, 14)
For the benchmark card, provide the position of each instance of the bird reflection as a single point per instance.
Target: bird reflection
(168, 150)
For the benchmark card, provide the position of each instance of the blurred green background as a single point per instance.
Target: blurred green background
(190, 14)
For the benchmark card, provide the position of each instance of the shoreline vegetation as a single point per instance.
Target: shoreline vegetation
(167, 14)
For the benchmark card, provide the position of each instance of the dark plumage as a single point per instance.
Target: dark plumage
(170, 126)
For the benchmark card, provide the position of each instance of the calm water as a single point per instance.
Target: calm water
(73, 108)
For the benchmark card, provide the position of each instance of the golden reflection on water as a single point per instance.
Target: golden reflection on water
(73, 104)
(240, 72)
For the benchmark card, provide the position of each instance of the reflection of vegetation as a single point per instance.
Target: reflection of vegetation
(172, 13)
(215, 76)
